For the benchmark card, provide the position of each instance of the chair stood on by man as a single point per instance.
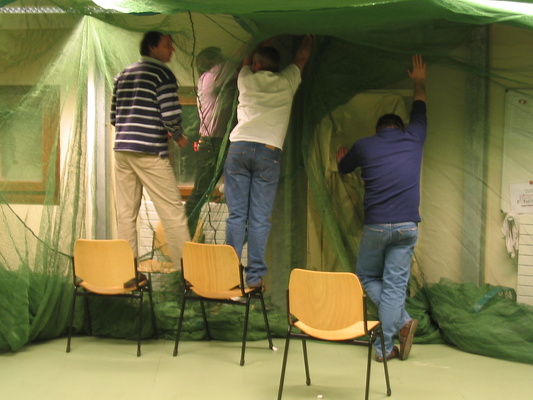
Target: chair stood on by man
(329, 306)
(213, 273)
(108, 268)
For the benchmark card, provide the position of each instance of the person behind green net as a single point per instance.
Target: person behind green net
(145, 111)
(216, 89)
(390, 163)
(252, 167)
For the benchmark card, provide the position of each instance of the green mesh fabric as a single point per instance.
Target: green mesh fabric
(57, 67)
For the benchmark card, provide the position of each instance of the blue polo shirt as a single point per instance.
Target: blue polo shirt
(390, 164)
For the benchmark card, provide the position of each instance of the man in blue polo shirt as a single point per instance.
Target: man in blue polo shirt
(390, 163)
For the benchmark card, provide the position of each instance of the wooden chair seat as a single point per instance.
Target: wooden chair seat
(350, 332)
(158, 266)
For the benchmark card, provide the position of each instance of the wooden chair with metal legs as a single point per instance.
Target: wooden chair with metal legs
(329, 306)
(108, 268)
(213, 273)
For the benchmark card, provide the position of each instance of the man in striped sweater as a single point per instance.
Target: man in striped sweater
(146, 111)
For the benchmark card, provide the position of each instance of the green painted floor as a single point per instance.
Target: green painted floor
(108, 369)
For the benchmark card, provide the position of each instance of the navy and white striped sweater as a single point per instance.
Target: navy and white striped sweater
(145, 106)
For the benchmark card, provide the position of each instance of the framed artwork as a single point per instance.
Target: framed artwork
(29, 143)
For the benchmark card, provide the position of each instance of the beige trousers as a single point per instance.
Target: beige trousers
(133, 171)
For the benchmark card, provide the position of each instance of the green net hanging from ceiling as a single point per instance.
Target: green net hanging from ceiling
(56, 160)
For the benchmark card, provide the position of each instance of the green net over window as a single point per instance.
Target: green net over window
(472, 275)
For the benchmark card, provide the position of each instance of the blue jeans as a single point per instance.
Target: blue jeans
(384, 267)
(251, 176)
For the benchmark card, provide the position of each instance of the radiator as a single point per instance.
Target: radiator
(524, 287)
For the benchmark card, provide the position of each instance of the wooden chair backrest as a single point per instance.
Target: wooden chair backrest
(325, 300)
(210, 267)
(104, 265)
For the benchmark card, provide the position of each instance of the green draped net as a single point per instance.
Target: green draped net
(469, 286)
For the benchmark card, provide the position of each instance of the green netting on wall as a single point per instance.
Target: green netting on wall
(56, 160)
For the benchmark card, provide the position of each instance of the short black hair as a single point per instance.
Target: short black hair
(389, 120)
(269, 58)
(150, 39)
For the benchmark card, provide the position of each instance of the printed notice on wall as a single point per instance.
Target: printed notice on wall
(517, 151)
(521, 198)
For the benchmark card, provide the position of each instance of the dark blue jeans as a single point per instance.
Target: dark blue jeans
(251, 176)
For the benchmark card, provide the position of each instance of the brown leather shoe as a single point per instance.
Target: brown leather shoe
(393, 354)
(407, 333)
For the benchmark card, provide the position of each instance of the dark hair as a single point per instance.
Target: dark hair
(150, 39)
(389, 120)
(207, 58)
(269, 58)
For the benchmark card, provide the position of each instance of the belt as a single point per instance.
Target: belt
(268, 146)
(208, 139)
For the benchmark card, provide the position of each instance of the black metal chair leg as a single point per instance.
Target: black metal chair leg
(369, 366)
(267, 326)
(206, 325)
(284, 364)
(245, 328)
(180, 324)
(88, 315)
(139, 337)
(385, 366)
(306, 363)
(152, 310)
(73, 305)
